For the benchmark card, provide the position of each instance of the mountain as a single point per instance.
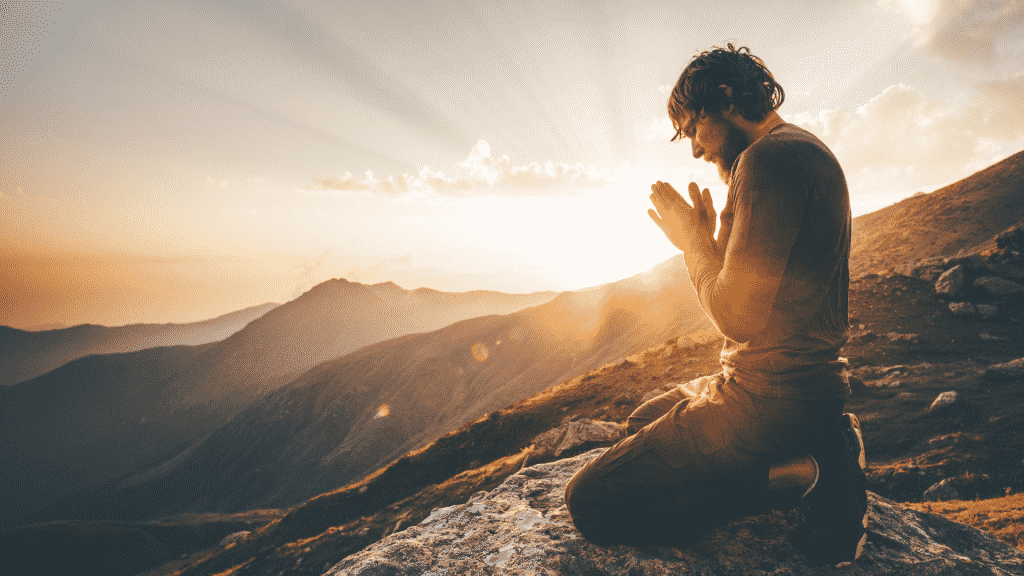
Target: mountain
(104, 416)
(27, 354)
(964, 216)
(351, 415)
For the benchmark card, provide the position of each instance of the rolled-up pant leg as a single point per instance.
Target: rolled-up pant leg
(696, 457)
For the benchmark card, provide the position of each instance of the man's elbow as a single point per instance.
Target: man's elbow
(741, 331)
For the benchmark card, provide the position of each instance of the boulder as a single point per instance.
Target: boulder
(522, 527)
(1012, 370)
(928, 269)
(945, 400)
(574, 437)
(1008, 271)
(943, 490)
(951, 282)
(962, 309)
(998, 287)
(1012, 239)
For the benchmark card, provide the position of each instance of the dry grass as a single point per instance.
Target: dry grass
(1003, 517)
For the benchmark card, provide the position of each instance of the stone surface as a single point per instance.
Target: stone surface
(1012, 370)
(1012, 239)
(1008, 271)
(951, 282)
(574, 437)
(998, 287)
(944, 400)
(973, 261)
(987, 311)
(939, 491)
(522, 528)
(234, 537)
(962, 309)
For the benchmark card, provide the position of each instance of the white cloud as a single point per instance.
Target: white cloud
(481, 173)
(963, 31)
(901, 142)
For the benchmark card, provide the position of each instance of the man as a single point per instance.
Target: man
(768, 430)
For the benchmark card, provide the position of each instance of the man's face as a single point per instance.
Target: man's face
(715, 138)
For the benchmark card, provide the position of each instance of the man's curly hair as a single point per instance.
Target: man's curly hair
(755, 92)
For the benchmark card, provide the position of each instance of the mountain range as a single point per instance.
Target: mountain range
(106, 415)
(349, 416)
(27, 354)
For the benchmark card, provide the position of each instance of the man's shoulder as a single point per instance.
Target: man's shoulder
(786, 149)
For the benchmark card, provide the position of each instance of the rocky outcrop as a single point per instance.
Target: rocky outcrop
(572, 438)
(522, 527)
(1012, 370)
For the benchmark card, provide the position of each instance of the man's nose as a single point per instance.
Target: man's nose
(698, 151)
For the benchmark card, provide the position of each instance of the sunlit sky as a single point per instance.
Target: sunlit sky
(166, 161)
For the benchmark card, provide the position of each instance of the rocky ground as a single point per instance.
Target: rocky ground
(522, 527)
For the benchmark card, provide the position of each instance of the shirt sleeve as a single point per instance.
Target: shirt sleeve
(738, 283)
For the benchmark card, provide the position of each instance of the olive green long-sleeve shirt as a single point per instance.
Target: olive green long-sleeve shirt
(776, 281)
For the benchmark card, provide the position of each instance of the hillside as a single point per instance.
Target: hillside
(964, 216)
(349, 416)
(27, 354)
(104, 416)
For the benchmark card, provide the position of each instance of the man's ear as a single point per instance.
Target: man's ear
(728, 96)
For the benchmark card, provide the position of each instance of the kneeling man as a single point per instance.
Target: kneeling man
(769, 429)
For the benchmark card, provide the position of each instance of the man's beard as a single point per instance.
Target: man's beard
(734, 142)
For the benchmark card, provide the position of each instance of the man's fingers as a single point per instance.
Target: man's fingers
(706, 198)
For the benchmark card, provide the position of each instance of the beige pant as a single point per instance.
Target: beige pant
(695, 457)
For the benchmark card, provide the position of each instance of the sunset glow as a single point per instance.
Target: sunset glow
(171, 161)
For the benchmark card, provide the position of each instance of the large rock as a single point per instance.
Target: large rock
(1012, 370)
(522, 527)
(951, 282)
(996, 286)
(573, 438)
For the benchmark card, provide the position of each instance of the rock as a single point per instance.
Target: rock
(1008, 271)
(945, 400)
(986, 311)
(962, 309)
(522, 527)
(998, 287)
(928, 269)
(897, 337)
(991, 338)
(973, 261)
(891, 380)
(1012, 370)
(875, 372)
(232, 538)
(574, 437)
(943, 490)
(951, 282)
(1012, 239)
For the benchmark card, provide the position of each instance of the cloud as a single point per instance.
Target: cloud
(963, 31)
(481, 173)
(901, 141)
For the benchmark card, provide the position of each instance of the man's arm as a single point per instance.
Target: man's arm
(737, 286)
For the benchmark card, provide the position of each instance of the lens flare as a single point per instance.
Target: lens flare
(480, 351)
(383, 411)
